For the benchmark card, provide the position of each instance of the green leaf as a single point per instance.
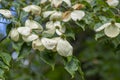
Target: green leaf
(5, 57)
(2, 65)
(25, 51)
(71, 34)
(99, 35)
(1, 73)
(17, 46)
(81, 25)
(48, 57)
(72, 66)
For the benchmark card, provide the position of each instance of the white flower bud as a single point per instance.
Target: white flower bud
(64, 48)
(14, 34)
(77, 15)
(37, 44)
(33, 8)
(33, 25)
(112, 3)
(6, 13)
(49, 44)
(25, 31)
(30, 38)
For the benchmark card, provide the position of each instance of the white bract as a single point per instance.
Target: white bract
(33, 25)
(37, 45)
(74, 15)
(64, 48)
(53, 27)
(112, 3)
(110, 30)
(78, 6)
(6, 13)
(43, 1)
(48, 13)
(57, 3)
(14, 35)
(30, 38)
(49, 44)
(24, 31)
(33, 8)
(89, 1)
(54, 15)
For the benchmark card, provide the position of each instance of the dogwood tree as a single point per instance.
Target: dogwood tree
(46, 29)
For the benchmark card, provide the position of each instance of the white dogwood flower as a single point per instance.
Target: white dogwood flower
(33, 8)
(53, 27)
(74, 15)
(24, 31)
(37, 45)
(48, 13)
(54, 15)
(6, 13)
(78, 6)
(112, 3)
(110, 30)
(14, 35)
(33, 25)
(57, 3)
(43, 1)
(30, 38)
(64, 48)
(49, 44)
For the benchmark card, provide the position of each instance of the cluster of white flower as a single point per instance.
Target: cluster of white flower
(53, 26)
(111, 29)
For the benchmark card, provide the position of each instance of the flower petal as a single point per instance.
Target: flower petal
(112, 3)
(32, 8)
(37, 44)
(27, 8)
(30, 38)
(112, 31)
(103, 27)
(59, 29)
(50, 25)
(64, 48)
(14, 34)
(66, 16)
(50, 44)
(56, 16)
(6, 13)
(77, 15)
(56, 3)
(25, 31)
(33, 25)
(47, 13)
(117, 24)
(35, 9)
